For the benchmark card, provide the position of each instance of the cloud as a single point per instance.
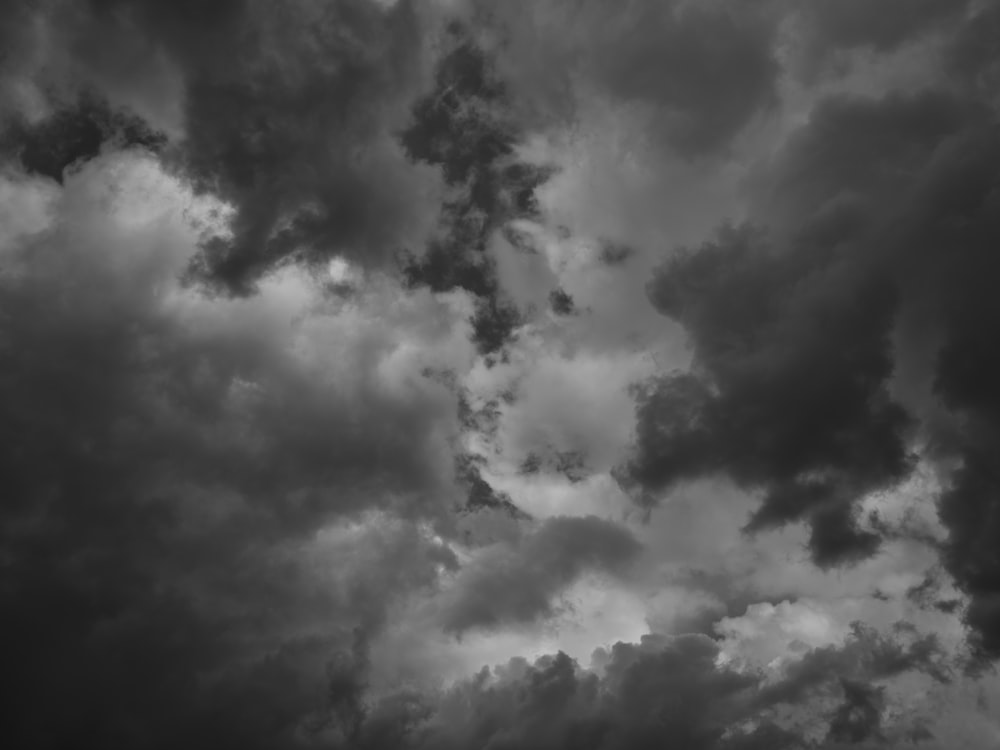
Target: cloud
(635, 694)
(72, 136)
(701, 71)
(795, 328)
(636, 700)
(805, 417)
(517, 585)
(170, 456)
(465, 127)
(289, 115)
(831, 28)
(859, 717)
(327, 374)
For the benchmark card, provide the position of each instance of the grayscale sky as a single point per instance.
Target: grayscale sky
(526, 375)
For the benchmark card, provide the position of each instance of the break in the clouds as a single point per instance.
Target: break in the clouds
(444, 374)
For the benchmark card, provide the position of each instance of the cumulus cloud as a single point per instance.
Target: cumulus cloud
(511, 586)
(168, 453)
(348, 347)
(288, 114)
(634, 695)
(872, 216)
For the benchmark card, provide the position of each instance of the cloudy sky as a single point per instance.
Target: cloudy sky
(465, 375)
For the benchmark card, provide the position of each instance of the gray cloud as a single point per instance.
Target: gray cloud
(465, 126)
(289, 114)
(168, 459)
(855, 323)
(829, 28)
(703, 70)
(639, 695)
(210, 498)
(858, 718)
(805, 417)
(517, 585)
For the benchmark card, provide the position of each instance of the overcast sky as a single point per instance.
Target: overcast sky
(469, 375)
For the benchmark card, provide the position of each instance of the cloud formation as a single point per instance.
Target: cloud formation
(510, 586)
(167, 454)
(428, 374)
(634, 695)
(873, 215)
(288, 114)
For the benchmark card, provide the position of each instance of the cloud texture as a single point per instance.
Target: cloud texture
(430, 374)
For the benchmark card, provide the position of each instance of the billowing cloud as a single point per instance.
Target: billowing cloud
(443, 374)
(634, 695)
(287, 114)
(170, 456)
(806, 417)
(700, 71)
(518, 585)
(824, 295)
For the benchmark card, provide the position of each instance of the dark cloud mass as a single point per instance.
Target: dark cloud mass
(466, 127)
(793, 397)
(831, 27)
(159, 473)
(857, 719)
(707, 67)
(639, 695)
(305, 385)
(74, 135)
(288, 112)
(701, 71)
(877, 216)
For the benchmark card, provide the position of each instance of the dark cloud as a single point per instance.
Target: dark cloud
(790, 392)
(288, 112)
(71, 136)
(298, 136)
(480, 494)
(884, 25)
(866, 655)
(561, 302)
(831, 27)
(310, 161)
(969, 510)
(836, 177)
(701, 71)
(615, 253)
(169, 457)
(516, 585)
(646, 692)
(168, 461)
(859, 717)
(972, 56)
(466, 127)
(640, 695)
(860, 319)
(214, 503)
(571, 464)
(707, 68)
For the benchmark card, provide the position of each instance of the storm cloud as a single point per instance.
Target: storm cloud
(518, 585)
(634, 695)
(418, 374)
(861, 274)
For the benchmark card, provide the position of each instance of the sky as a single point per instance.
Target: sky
(536, 375)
